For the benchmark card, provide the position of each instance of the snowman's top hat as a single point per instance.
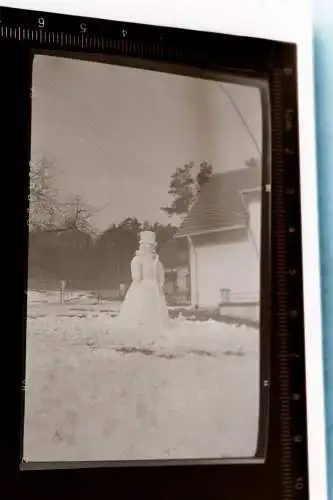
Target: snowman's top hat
(148, 237)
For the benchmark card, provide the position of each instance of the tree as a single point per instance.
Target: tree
(60, 229)
(75, 214)
(253, 162)
(181, 189)
(115, 249)
(185, 185)
(43, 203)
(204, 175)
(47, 211)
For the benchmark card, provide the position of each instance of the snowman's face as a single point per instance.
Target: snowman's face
(147, 247)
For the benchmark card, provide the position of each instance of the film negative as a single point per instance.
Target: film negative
(157, 335)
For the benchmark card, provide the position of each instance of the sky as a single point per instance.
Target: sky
(116, 134)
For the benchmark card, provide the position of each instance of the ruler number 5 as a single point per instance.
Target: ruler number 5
(83, 27)
(41, 22)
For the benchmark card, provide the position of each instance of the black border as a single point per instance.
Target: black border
(248, 57)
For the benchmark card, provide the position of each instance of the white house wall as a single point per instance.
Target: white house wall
(228, 264)
(193, 276)
(254, 208)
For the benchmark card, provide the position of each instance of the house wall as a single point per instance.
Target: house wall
(246, 312)
(254, 208)
(224, 260)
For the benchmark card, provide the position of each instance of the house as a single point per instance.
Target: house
(223, 233)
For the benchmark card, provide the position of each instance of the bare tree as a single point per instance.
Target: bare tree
(47, 211)
(76, 214)
(43, 201)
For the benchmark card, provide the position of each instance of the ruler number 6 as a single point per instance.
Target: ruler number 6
(41, 22)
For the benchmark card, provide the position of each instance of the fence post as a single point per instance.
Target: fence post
(62, 291)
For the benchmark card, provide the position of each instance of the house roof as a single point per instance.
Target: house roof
(219, 205)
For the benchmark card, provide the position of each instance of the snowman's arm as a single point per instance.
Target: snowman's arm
(136, 269)
(160, 273)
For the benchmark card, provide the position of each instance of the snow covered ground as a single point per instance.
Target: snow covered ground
(96, 391)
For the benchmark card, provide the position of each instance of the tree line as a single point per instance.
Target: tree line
(64, 245)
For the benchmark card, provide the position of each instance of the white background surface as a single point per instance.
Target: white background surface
(286, 20)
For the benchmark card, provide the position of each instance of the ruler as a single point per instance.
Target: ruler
(290, 284)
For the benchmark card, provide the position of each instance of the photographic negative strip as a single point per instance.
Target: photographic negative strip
(144, 277)
(155, 298)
